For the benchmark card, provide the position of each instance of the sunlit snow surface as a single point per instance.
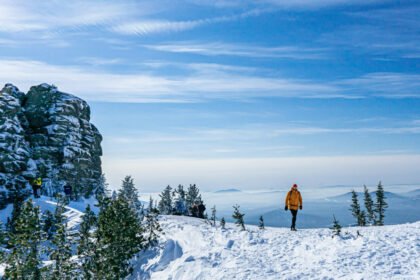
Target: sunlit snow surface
(193, 249)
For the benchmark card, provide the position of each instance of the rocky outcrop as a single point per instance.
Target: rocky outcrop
(46, 133)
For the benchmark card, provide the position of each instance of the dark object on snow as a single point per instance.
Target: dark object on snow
(67, 190)
(195, 210)
(201, 209)
(286, 208)
(294, 214)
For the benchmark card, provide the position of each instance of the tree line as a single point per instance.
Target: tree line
(42, 246)
(374, 212)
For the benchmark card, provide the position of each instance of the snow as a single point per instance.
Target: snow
(196, 250)
(193, 249)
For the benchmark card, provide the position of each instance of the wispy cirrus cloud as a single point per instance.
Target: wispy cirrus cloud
(220, 48)
(194, 86)
(144, 27)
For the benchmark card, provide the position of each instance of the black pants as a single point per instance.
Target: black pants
(294, 214)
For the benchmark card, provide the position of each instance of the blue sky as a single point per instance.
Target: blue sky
(248, 94)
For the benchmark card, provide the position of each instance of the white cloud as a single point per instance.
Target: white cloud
(210, 174)
(219, 48)
(145, 87)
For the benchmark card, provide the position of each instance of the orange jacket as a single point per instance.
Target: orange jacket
(293, 199)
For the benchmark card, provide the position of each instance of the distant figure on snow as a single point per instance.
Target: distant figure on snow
(67, 191)
(201, 209)
(36, 185)
(194, 210)
(293, 202)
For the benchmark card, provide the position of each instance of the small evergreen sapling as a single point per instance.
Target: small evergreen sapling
(239, 217)
(223, 222)
(380, 205)
(261, 225)
(336, 228)
(213, 215)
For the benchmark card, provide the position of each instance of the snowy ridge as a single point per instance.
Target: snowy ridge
(193, 249)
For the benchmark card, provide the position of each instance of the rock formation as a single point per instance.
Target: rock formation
(46, 133)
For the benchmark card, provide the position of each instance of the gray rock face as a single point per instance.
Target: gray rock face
(46, 133)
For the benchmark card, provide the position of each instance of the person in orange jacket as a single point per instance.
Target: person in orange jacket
(293, 202)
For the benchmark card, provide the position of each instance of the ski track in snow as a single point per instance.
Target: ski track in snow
(193, 249)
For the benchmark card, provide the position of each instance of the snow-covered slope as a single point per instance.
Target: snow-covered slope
(193, 249)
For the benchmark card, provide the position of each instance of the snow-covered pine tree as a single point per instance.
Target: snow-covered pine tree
(165, 203)
(87, 247)
(24, 260)
(213, 215)
(152, 229)
(120, 235)
(2, 241)
(223, 222)
(261, 225)
(380, 205)
(370, 214)
(130, 192)
(239, 217)
(180, 195)
(355, 208)
(336, 228)
(17, 207)
(193, 194)
(48, 224)
(60, 253)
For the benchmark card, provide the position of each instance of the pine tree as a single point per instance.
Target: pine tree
(223, 222)
(362, 218)
(60, 253)
(192, 195)
(370, 215)
(180, 195)
(261, 225)
(2, 242)
(24, 260)
(119, 235)
(213, 215)
(239, 217)
(380, 205)
(130, 192)
(355, 208)
(165, 203)
(49, 224)
(336, 228)
(87, 248)
(17, 207)
(152, 229)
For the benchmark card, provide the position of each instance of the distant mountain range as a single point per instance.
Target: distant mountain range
(228, 191)
(316, 214)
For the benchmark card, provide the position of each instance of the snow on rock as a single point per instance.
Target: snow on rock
(192, 249)
(46, 133)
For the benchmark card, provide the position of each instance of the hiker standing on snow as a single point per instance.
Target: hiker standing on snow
(194, 210)
(67, 191)
(293, 202)
(36, 185)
